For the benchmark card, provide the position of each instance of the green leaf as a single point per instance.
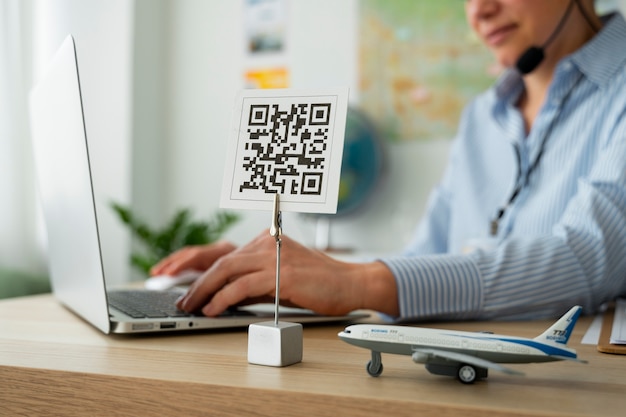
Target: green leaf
(137, 227)
(142, 262)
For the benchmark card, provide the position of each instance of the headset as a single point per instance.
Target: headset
(534, 55)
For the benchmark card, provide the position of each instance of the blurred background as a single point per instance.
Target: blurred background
(159, 79)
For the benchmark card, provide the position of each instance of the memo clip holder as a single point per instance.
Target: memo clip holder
(275, 343)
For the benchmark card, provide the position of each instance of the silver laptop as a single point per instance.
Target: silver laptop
(75, 261)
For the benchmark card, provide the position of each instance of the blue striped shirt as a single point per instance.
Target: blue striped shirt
(563, 239)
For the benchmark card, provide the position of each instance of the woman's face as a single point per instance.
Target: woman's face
(509, 27)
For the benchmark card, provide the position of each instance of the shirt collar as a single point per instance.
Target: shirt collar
(604, 55)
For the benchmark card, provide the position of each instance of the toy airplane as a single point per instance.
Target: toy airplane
(466, 355)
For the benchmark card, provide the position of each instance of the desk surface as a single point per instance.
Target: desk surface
(54, 362)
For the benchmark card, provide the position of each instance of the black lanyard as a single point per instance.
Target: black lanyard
(520, 182)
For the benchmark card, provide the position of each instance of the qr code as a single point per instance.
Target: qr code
(287, 148)
(289, 143)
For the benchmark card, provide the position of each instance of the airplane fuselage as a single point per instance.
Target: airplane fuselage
(405, 340)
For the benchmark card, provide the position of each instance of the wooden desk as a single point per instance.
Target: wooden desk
(52, 363)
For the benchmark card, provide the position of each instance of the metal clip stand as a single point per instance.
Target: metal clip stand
(275, 343)
(276, 231)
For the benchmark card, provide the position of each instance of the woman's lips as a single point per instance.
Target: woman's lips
(496, 36)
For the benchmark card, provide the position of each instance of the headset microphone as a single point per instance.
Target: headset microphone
(533, 56)
(530, 59)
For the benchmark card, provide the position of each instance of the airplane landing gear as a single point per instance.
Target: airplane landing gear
(466, 374)
(375, 366)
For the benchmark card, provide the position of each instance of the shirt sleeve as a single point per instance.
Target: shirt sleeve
(583, 260)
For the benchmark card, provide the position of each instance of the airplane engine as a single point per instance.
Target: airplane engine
(419, 357)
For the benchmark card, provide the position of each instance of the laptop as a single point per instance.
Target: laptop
(62, 162)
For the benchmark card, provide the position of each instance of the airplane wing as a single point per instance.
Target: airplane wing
(567, 358)
(469, 359)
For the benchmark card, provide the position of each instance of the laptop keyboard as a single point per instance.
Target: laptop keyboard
(146, 304)
(156, 304)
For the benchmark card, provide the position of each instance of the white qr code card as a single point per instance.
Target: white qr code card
(289, 142)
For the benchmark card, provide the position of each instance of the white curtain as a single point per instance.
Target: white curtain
(20, 224)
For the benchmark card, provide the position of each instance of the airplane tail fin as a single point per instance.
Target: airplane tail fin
(561, 330)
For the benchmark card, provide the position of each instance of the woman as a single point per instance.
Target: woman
(530, 216)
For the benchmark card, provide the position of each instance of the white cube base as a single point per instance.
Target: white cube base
(275, 344)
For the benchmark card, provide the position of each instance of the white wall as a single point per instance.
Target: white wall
(19, 246)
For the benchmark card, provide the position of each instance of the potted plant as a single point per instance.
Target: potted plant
(180, 231)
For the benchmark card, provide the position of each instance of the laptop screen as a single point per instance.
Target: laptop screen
(65, 187)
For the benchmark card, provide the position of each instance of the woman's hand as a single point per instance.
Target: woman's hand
(309, 278)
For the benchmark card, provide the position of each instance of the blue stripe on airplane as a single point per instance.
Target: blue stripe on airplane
(547, 349)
